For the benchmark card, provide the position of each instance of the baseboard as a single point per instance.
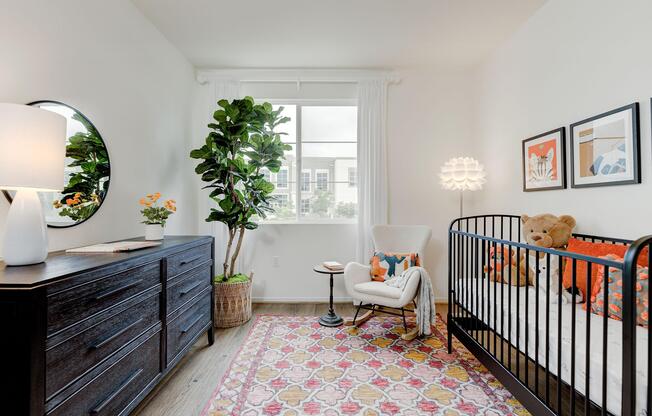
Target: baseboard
(317, 299)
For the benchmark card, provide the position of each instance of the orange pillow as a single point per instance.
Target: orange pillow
(594, 250)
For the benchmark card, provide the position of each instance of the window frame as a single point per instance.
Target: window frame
(297, 144)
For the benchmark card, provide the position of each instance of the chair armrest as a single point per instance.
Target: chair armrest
(410, 289)
(355, 273)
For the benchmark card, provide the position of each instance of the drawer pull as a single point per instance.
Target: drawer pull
(189, 327)
(190, 289)
(184, 262)
(97, 409)
(111, 292)
(115, 335)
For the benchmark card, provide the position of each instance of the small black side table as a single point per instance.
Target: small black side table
(331, 319)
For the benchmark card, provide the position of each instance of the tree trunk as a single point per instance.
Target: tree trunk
(228, 253)
(237, 248)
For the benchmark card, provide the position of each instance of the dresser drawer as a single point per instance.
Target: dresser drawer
(183, 329)
(76, 303)
(113, 390)
(186, 286)
(189, 259)
(72, 358)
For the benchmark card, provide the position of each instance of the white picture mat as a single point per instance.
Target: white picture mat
(626, 116)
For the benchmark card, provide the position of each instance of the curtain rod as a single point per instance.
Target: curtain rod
(348, 76)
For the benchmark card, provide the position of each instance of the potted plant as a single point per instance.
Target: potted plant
(156, 215)
(241, 145)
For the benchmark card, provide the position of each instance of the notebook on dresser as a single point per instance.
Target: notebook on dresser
(117, 247)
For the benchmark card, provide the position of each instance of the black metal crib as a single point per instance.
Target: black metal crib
(556, 358)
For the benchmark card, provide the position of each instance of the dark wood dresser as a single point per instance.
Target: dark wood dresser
(92, 334)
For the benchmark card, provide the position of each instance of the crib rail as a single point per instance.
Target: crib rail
(521, 334)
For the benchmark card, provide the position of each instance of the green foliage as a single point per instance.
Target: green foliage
(236, 278)
(241, 143)
(90, 182)
(346, 210)
(320, 202)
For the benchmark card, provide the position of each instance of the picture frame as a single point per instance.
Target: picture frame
(544, 161)
(606, 149)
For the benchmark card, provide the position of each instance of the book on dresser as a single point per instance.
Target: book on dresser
(95, 334)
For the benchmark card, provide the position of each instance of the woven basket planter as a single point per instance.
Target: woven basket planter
(232, 304)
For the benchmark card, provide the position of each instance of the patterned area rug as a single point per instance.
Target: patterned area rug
(290, 365)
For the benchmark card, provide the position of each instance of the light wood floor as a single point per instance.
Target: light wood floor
(189, 386)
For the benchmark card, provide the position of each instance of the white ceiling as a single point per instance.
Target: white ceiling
(336, 33)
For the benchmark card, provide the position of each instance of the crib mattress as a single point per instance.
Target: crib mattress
(520, 316)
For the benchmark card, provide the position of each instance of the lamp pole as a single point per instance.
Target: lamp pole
(461, 203)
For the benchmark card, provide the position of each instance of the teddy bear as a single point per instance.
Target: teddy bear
(548, 231)
(501, 267)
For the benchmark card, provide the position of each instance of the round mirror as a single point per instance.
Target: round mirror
(86, 173)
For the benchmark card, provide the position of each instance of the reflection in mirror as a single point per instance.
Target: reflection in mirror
(86, 175)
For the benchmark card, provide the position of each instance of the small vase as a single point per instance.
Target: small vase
(154, 231)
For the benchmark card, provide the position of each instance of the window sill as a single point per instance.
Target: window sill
(310, 222)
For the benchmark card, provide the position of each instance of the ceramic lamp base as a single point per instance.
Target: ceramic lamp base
(26, 238)
(154, 232)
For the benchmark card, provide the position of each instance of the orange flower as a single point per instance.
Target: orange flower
(169, 204)
(70, 202)
(142, 201)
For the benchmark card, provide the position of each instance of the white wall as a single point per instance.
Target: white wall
(105, 59)
(571, 60)
(428, 124)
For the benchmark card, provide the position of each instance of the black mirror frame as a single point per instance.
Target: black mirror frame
(8, 195)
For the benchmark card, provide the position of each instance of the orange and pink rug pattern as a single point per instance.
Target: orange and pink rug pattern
(290, 365)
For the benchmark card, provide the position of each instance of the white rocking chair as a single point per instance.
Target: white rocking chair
(377, 296)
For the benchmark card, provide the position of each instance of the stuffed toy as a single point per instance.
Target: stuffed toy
(548, 231)
(505, 267)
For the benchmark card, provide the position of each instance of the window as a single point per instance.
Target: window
(319, 174)
(305, 206)
(353, 177)
(322, 180)
(281, 200)
(305, 181)
(282, 178)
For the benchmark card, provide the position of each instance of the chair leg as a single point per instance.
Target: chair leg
(357, 311)
(404, 321)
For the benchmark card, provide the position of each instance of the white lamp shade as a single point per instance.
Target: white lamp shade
(462, 174)
(32, 148)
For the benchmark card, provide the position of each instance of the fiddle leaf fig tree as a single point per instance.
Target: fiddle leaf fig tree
(242, 143)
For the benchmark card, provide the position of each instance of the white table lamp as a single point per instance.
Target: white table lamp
(462, 174)
(32, 158)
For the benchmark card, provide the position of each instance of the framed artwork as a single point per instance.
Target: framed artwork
(544, 161)
(605, 149)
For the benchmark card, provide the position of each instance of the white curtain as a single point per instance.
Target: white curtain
(227, 89)
(372, 162)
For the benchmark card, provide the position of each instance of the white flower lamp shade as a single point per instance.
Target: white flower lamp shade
(32, 157)
(462, 174)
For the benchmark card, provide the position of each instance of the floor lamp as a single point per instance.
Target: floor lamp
(462, 174)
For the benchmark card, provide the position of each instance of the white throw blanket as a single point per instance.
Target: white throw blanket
(425, 298)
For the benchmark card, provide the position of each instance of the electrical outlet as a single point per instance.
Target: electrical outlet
(275, 261)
